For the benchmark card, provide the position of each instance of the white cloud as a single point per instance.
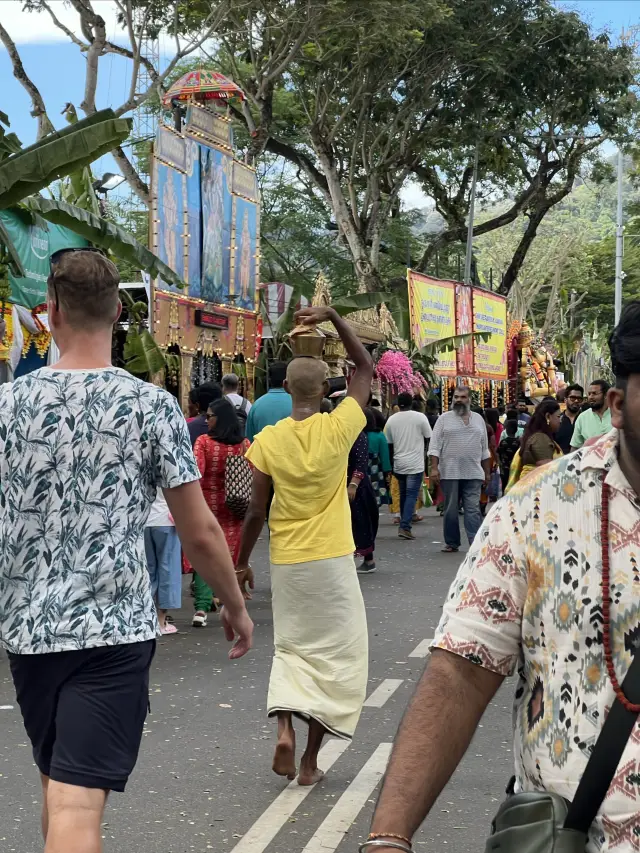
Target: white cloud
(412, 196)
(37, 27)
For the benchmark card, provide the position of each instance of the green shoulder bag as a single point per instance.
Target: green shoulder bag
(540, 822)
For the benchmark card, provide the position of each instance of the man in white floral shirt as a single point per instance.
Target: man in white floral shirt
(529, 597)
(83, 448)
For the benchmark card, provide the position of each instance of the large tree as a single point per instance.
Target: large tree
(360, 97)
(372, 94)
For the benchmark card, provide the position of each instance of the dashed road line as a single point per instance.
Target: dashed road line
(421, 650)
(382, 692)
(271, 821)
(341, 817)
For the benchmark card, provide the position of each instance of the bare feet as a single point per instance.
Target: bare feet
(284, 759)
(310, 777)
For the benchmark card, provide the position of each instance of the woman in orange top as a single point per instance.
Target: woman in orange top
(223, 439)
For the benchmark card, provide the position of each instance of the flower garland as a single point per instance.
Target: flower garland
(396, 369)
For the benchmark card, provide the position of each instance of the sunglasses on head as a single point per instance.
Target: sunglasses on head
(55, 259)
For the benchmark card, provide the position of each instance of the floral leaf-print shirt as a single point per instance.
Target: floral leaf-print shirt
(528, 598)
(82, 453)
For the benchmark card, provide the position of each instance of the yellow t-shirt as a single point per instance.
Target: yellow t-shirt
(310, 517)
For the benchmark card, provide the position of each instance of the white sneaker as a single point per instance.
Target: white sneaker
(199, 619)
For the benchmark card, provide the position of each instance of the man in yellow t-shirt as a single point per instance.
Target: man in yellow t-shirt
(319, 670)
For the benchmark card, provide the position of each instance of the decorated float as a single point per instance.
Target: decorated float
(205, 224)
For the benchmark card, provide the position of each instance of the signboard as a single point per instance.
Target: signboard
(490, 315)
(464, 326)
(432, 310)
(217, 212)
(244, 265)
(169, 233)
(245, 182)
(208, 126)
(170, 148)
(211, 320)
(35, 246)
(194, 224)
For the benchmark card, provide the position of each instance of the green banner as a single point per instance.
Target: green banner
(35, 246)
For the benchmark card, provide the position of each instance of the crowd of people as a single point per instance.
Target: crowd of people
(107, 494)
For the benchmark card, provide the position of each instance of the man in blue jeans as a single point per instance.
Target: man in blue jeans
(461, 462)
(407, 433)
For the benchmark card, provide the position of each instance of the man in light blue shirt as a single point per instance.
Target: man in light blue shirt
(273, 406)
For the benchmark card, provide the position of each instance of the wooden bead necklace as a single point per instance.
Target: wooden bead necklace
(606, 604)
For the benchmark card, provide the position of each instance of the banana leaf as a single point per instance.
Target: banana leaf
(453, 342)
(142, 355)
(361, 301)
(58, 154)
(13, 260)
(9, 142)
(100, 232)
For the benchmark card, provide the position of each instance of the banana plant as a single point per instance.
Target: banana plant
(142, 355)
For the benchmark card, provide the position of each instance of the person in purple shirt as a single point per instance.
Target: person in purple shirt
(205, 395)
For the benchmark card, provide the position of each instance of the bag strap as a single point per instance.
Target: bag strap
(242, 408)
(606, 755)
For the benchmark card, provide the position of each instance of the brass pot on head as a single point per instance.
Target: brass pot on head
(307, 341)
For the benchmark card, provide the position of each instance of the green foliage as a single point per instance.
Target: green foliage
(107, 235)
(142, 355)
(66, 152)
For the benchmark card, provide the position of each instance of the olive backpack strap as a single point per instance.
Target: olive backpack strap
(606, 755)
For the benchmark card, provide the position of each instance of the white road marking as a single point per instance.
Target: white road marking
(421, 650)
(271, 821)
(382, 692)
(339, 820)
(6, 707)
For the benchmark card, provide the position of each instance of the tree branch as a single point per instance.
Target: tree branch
(69, 33)
(134, 180)
(39, 111)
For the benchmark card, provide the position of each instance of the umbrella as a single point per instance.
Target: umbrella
(202, 85)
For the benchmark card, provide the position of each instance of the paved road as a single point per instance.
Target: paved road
(203, 781)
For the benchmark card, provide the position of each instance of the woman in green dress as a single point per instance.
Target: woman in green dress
(379, 461)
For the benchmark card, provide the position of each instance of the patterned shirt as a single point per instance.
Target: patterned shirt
(461, 448)
(528, 597)
(82, 453)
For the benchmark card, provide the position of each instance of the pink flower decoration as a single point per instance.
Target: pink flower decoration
(396, 370)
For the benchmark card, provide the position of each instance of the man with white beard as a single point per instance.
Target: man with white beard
(461, 462)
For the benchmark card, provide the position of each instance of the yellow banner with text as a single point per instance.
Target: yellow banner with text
(432, 311)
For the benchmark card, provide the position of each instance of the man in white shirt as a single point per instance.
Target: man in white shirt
(406, 432)
(460, 461)
(242, 406)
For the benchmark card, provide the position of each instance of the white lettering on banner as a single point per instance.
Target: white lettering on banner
(39, 244)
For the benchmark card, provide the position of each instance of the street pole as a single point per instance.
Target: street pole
(619, 241)
(472, 207)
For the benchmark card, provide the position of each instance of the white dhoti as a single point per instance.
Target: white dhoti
(320, 665)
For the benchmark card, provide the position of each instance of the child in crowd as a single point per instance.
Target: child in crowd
(507, 449)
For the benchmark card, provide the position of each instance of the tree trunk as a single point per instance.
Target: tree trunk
(366, 273)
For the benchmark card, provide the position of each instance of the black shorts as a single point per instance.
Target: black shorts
(84, 711)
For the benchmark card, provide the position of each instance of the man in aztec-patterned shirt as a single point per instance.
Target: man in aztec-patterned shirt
(528, 597)
(83, 448)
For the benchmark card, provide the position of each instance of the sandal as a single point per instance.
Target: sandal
(449, 550)
(416, 518)
(169, 629)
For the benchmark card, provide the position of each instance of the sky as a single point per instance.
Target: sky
(57, 66)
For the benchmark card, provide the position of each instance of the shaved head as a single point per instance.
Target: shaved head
(306, 379)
